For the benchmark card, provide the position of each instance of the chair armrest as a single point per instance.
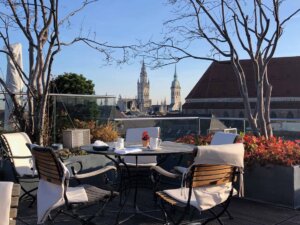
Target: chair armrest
(21, 157)
(165, 173)
(72, 164)
(94, 173)
(67, 163)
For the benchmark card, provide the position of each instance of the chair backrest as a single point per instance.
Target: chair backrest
(134, 135)
(221, 138)
(214, 164)
(48, 165)
(9, 198)
(14, 203)
(15, 146)
(207, 175)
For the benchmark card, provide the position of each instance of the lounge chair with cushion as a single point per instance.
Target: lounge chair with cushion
(18, 154)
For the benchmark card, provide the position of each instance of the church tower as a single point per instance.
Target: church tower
(143, 86)
(175, 94)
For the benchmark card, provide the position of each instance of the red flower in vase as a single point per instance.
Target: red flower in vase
(145, 136)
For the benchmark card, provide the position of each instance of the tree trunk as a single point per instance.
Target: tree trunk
(239, 72)
(268, 94)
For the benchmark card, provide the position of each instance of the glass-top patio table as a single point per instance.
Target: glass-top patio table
(167, 148)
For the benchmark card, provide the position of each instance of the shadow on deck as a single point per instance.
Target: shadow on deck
(245, 212)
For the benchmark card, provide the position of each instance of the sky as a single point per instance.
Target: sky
(125, 22)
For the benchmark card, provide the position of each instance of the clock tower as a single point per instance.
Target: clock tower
(143, 88)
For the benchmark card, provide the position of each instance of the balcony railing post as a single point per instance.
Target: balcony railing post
(199, 126)
(54, 118)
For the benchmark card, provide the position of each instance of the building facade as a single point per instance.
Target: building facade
(217, 90)
(143, 104)
(127, 104)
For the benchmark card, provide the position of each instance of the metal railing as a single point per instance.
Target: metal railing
(174, 127)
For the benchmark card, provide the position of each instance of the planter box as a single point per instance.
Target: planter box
(273, 184)
(74, 138)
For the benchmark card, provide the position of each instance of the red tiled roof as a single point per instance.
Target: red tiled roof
(237, 105)
(219, 80)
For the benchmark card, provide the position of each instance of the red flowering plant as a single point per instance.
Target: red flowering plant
(275, 150)
(195, 139)
(259, 150)
(145, 136)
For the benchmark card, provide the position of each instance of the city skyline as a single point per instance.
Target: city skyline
(116, 23)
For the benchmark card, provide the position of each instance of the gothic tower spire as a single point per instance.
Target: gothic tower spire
(175, 73)
(143, 74)
(143, 86)
(175, 93)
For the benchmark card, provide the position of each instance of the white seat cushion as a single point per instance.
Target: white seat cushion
(5, 196)
(202, 198)
(76, 194)
(17, 144)
(181, 195)
(209, 197)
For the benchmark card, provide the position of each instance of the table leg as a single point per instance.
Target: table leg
(136, 209)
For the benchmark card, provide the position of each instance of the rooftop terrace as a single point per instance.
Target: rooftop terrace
(245, 212)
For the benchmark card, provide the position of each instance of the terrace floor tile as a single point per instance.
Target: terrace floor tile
(245, 212)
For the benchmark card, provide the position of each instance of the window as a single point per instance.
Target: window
(290, 115)
(225, 114)
(241, 114)
(273, 115)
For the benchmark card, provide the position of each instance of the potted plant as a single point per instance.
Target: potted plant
(272, 170)
(145, 139)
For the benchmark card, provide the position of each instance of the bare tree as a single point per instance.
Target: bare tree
(230, 27)
(39, 22)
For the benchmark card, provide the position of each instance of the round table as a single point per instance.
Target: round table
(166, 149)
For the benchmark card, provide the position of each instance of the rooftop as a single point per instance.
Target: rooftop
(283, 74)
(245, 212)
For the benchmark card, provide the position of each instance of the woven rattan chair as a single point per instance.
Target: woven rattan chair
(208, 186)
(55, 177)
(17, 153)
